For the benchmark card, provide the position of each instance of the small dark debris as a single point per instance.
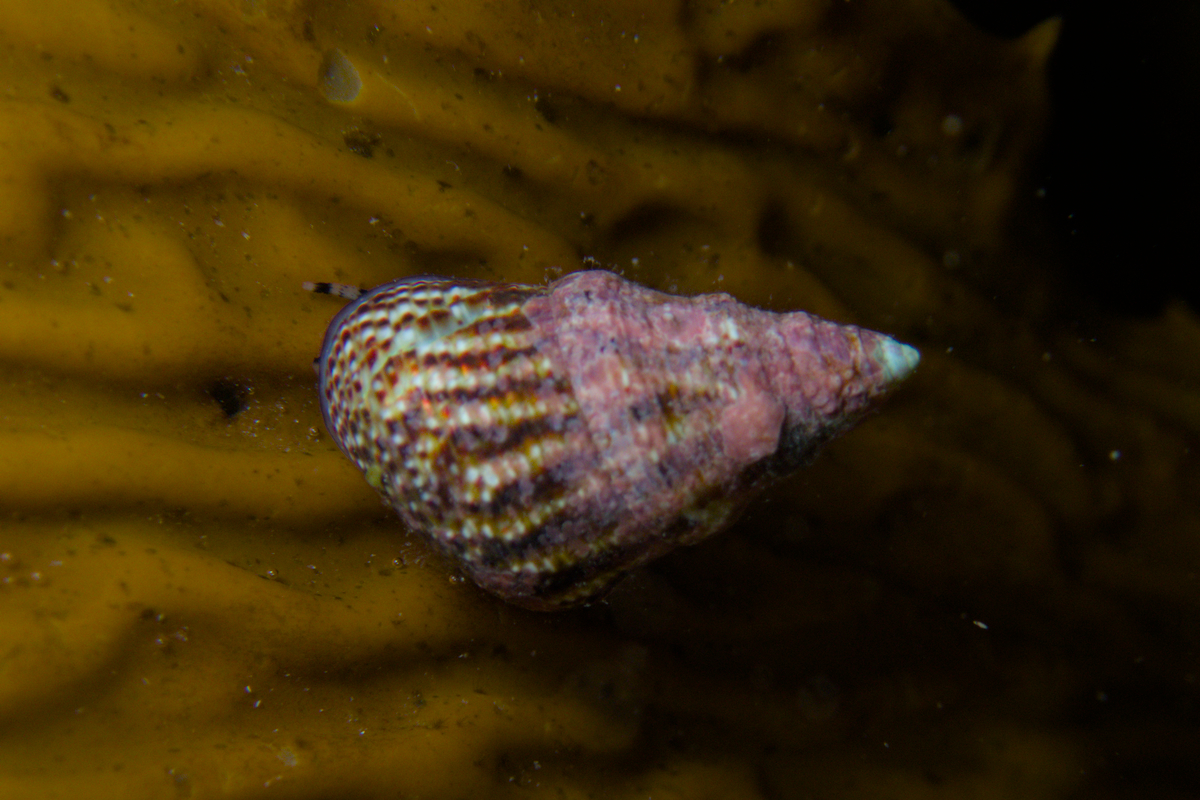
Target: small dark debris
(774, 230)
(595, 172)
(362, 143)
(546, 109)
(229, 395)
(882, 125)
(59, 95)
(516, 173)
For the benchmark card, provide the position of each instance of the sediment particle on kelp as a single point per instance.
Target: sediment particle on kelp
(550, 438)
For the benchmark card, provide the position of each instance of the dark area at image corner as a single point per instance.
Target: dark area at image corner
(1121, 166)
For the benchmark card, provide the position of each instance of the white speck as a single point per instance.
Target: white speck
(490, 478)
(981, 625)
(1115, 455)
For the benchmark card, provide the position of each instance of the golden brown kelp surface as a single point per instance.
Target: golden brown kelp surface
(989, 590)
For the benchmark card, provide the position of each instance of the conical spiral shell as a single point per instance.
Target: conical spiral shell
(550, 438)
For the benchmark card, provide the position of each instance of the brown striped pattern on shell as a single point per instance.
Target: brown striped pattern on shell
(438, 393)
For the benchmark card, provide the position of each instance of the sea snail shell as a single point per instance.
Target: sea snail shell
(550, 438)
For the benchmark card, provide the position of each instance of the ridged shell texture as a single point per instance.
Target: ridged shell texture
(551, 438)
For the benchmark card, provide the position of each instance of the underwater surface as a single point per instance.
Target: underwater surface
(987, 590)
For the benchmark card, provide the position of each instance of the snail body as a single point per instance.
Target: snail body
(550, 438)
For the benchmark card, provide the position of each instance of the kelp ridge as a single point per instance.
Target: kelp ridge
(991, 589)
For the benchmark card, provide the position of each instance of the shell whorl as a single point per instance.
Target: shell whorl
(550, 438)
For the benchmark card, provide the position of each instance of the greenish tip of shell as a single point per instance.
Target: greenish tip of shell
(898, 360)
